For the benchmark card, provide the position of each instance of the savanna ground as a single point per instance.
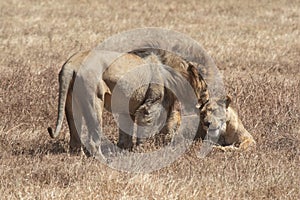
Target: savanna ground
(256, 45)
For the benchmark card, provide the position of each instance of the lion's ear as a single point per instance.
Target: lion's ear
(228, 100)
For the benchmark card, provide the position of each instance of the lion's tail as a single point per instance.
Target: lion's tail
(65, 78)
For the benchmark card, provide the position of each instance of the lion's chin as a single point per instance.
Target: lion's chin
(213, 134)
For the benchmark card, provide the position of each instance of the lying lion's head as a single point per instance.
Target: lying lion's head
(213, 117)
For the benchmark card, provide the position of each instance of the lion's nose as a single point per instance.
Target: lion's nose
(207, 123)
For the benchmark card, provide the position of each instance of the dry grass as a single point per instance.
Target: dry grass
(255, 44)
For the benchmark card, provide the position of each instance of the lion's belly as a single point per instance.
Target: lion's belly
(125, 80)
(123, 103)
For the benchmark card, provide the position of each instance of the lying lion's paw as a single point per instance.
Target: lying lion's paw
(248, 144)
(226, 148)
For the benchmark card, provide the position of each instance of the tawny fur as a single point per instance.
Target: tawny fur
(144, 98)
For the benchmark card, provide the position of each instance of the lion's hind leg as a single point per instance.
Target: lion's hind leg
(170, 129)
(236, 134)
(74, 122)
(248, 143)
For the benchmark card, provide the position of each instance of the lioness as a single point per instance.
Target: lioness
(233, 134)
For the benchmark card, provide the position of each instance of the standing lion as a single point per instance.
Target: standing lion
(147, 105)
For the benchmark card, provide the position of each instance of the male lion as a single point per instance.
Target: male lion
(146, 105)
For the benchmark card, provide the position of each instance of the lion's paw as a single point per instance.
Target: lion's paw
(226, 148)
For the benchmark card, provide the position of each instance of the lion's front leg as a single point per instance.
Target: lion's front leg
(170, 129)
(126, 129)
(225, 148)
(151, 117)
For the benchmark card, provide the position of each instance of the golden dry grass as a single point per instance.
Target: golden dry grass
(256, 45)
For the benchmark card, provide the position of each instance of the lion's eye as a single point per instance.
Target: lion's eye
(209, 109)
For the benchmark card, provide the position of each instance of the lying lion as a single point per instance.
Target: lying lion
(233, 134)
